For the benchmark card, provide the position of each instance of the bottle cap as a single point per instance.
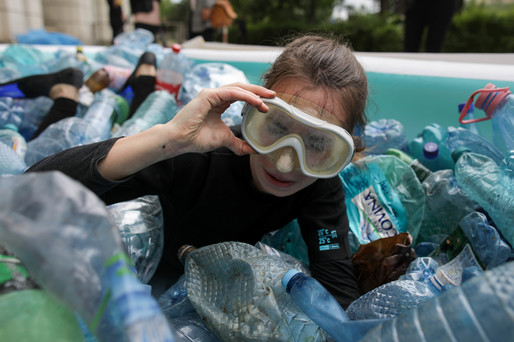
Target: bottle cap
(176, 47)
(458, 152)
(470, 110)
(287, 277)
(183, 252)
(488, 101)
(430, 150)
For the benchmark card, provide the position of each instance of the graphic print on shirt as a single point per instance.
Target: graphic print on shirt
(326, 238)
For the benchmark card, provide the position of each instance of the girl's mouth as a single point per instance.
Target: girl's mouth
(278, 182)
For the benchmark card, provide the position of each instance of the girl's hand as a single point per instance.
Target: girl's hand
(198, 126)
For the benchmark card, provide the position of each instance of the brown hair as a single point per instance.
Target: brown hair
(329, 63)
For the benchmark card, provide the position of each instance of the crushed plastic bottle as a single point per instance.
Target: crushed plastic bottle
(382, 134)
(247, 283)
(9, 135)
(490, 185)
(158, 108)
(89, 272)
(10, 162)
(140, 223)
(479, 310)
(383, 198)
(10, 112)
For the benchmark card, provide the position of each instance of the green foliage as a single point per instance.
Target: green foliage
(480, 28)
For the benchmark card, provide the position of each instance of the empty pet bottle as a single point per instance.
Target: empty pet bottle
(104, 111)
(10, 112)
(158, 108)
(171, 71)
(498, 105)
(421, 171)
(10, 162)
(470, 115)
(89, 272)
(479, 310)
(490, 185)
(382, 134)
(9, 135)
(317, 303)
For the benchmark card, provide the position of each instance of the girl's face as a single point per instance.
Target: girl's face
(270, 173)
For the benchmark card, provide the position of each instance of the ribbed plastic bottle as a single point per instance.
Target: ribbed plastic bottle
(104, 111)
(9, 135)
(490, 185)
(89, 272)
(171, 71)
(498, 105)
(317, 303)
(158, 108)
(383, 134)
(479, 310)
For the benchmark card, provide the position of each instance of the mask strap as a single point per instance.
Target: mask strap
(486, 102)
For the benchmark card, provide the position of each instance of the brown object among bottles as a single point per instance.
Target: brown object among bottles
(98, 80)
(383, 260)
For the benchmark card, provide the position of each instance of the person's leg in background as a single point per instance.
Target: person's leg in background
(147, 15)
(415, 21)
(116, 17)
(439, 19)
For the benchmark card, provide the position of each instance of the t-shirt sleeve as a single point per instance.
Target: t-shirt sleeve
(324, 226)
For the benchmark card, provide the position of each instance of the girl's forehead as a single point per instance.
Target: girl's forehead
(312, 100)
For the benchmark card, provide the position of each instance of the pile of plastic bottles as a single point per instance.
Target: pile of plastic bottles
(450, 188)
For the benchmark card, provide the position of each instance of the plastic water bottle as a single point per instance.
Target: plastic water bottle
(171, 71)
(106, 108)
(490, 185)
(470, 115)
(213, 75)
(89, 272)
(247, 283)
(446, 204)
(34, 110)
(434, 158)
(158, 108)
(383, 134)
(138, 39)
(317, 303)
(421, 171)
(140, 223)
(24, 58)
(10, 162)
(479, 310)
(461, 137)
(10, 112)
(498, 105)
(9, 135)
(59, 136)
(383, 198)
(48, 319)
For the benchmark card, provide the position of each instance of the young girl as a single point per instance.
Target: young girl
(212, 184)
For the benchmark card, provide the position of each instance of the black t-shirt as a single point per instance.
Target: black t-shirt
(209, 198)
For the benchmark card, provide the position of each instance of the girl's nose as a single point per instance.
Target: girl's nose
(285, 159)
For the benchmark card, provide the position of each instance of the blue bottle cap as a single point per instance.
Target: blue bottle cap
(287, 277)
(470, 110)
(430, 150)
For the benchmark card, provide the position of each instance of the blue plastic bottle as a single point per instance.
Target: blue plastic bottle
(479, 310)
(317, 303)
(490, 185)
(10, 162)
(10, 112)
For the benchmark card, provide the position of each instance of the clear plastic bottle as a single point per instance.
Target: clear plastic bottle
(490, 185)
(470, 115)
(104, 112)
(317, 303)
(479, 310)
(171, 71)
(10, 112)
(89, 272)
(421, 171)
(9, 135)
(383, 134)
(158, 108)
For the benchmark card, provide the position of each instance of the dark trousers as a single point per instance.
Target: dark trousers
(436, 16)
(115, 18)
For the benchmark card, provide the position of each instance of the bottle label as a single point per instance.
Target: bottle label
(171, 88)
(451, 272)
